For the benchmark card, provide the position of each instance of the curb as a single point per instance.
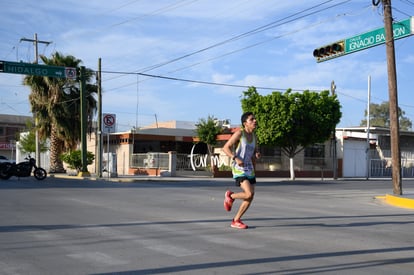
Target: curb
(397, 201)
(126, 179)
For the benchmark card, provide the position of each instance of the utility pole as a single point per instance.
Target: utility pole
(35, 43)
(393, 99)
(36, 55)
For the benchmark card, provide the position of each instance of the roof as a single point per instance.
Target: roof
(13, 119)
(163, 132)
(373, 130)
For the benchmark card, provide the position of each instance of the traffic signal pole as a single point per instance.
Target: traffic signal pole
(84, 171)
(393, 99)
(371, 39)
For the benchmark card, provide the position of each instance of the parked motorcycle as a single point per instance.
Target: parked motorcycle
(22, 169)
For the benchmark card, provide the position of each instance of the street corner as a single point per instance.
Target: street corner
(398, 201)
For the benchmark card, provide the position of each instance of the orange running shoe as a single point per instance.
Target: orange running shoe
(228, 201)
(238, 224)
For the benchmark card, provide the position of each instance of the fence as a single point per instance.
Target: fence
(150, 160)
(195, 162)
(201, 162)
(379, 166)
(382, 168)
(185, 162)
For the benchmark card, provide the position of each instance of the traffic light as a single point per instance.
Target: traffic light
(329, 51)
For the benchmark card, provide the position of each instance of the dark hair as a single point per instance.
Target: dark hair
(245, 116)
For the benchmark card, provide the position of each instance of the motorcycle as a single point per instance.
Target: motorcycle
(22, 169)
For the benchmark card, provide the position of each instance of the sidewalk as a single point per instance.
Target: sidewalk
(136, 178)
(404, 201)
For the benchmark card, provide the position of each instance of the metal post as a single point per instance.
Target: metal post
(84, 171)
(334, 152)
(99, 136)
(107, 154)
(368, 126)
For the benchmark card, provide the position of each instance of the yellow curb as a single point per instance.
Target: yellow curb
(397, 201)
(84, 174)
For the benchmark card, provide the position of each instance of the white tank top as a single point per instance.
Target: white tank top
(245, 150)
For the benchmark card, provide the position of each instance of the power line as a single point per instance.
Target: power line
(195, 81)
(260, 42)
(236, 85)
(158, 11)
(203, 82)
(268, 26)
(400, 11)
(251, 46)
(276, 23)
(408, 2)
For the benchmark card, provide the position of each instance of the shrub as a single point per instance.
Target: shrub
(74, 159)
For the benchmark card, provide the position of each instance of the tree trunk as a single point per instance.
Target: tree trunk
(210, 157)
(292, 169)
(56, 145)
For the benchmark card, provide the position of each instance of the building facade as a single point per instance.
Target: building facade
(351, 151)
(10, 128)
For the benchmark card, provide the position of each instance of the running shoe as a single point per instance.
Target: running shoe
(228, 201)
(238, 224)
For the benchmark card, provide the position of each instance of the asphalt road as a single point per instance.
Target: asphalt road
(62, 226)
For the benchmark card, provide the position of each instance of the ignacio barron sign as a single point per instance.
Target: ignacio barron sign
(36, 69)
(376, 37)
(363, 41)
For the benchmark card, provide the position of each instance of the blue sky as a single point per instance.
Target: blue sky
(248, 43)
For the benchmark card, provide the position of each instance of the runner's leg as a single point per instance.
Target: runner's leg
(247, 197)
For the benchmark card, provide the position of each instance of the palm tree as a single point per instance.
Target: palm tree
(55, 103)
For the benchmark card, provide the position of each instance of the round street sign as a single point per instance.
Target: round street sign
(109, 120)
(70, 72)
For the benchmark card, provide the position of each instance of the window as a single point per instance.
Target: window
(315, 154)
(273, 151)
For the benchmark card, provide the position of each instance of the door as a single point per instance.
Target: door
(355, 162)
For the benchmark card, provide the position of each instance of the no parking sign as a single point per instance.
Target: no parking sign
(109, 123)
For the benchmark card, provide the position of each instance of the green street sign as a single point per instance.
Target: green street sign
(364, 41)
(376, 37)
(36, 69)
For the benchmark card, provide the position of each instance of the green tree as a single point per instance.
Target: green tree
(379, 116)
(27, 142)
(55, 103)
(293, 121)
(207, 131)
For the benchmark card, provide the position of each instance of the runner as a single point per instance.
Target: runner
(243, 157)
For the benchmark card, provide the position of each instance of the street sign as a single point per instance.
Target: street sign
(36, 69)
(109, 123)
(366, 40)
(376, 37)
